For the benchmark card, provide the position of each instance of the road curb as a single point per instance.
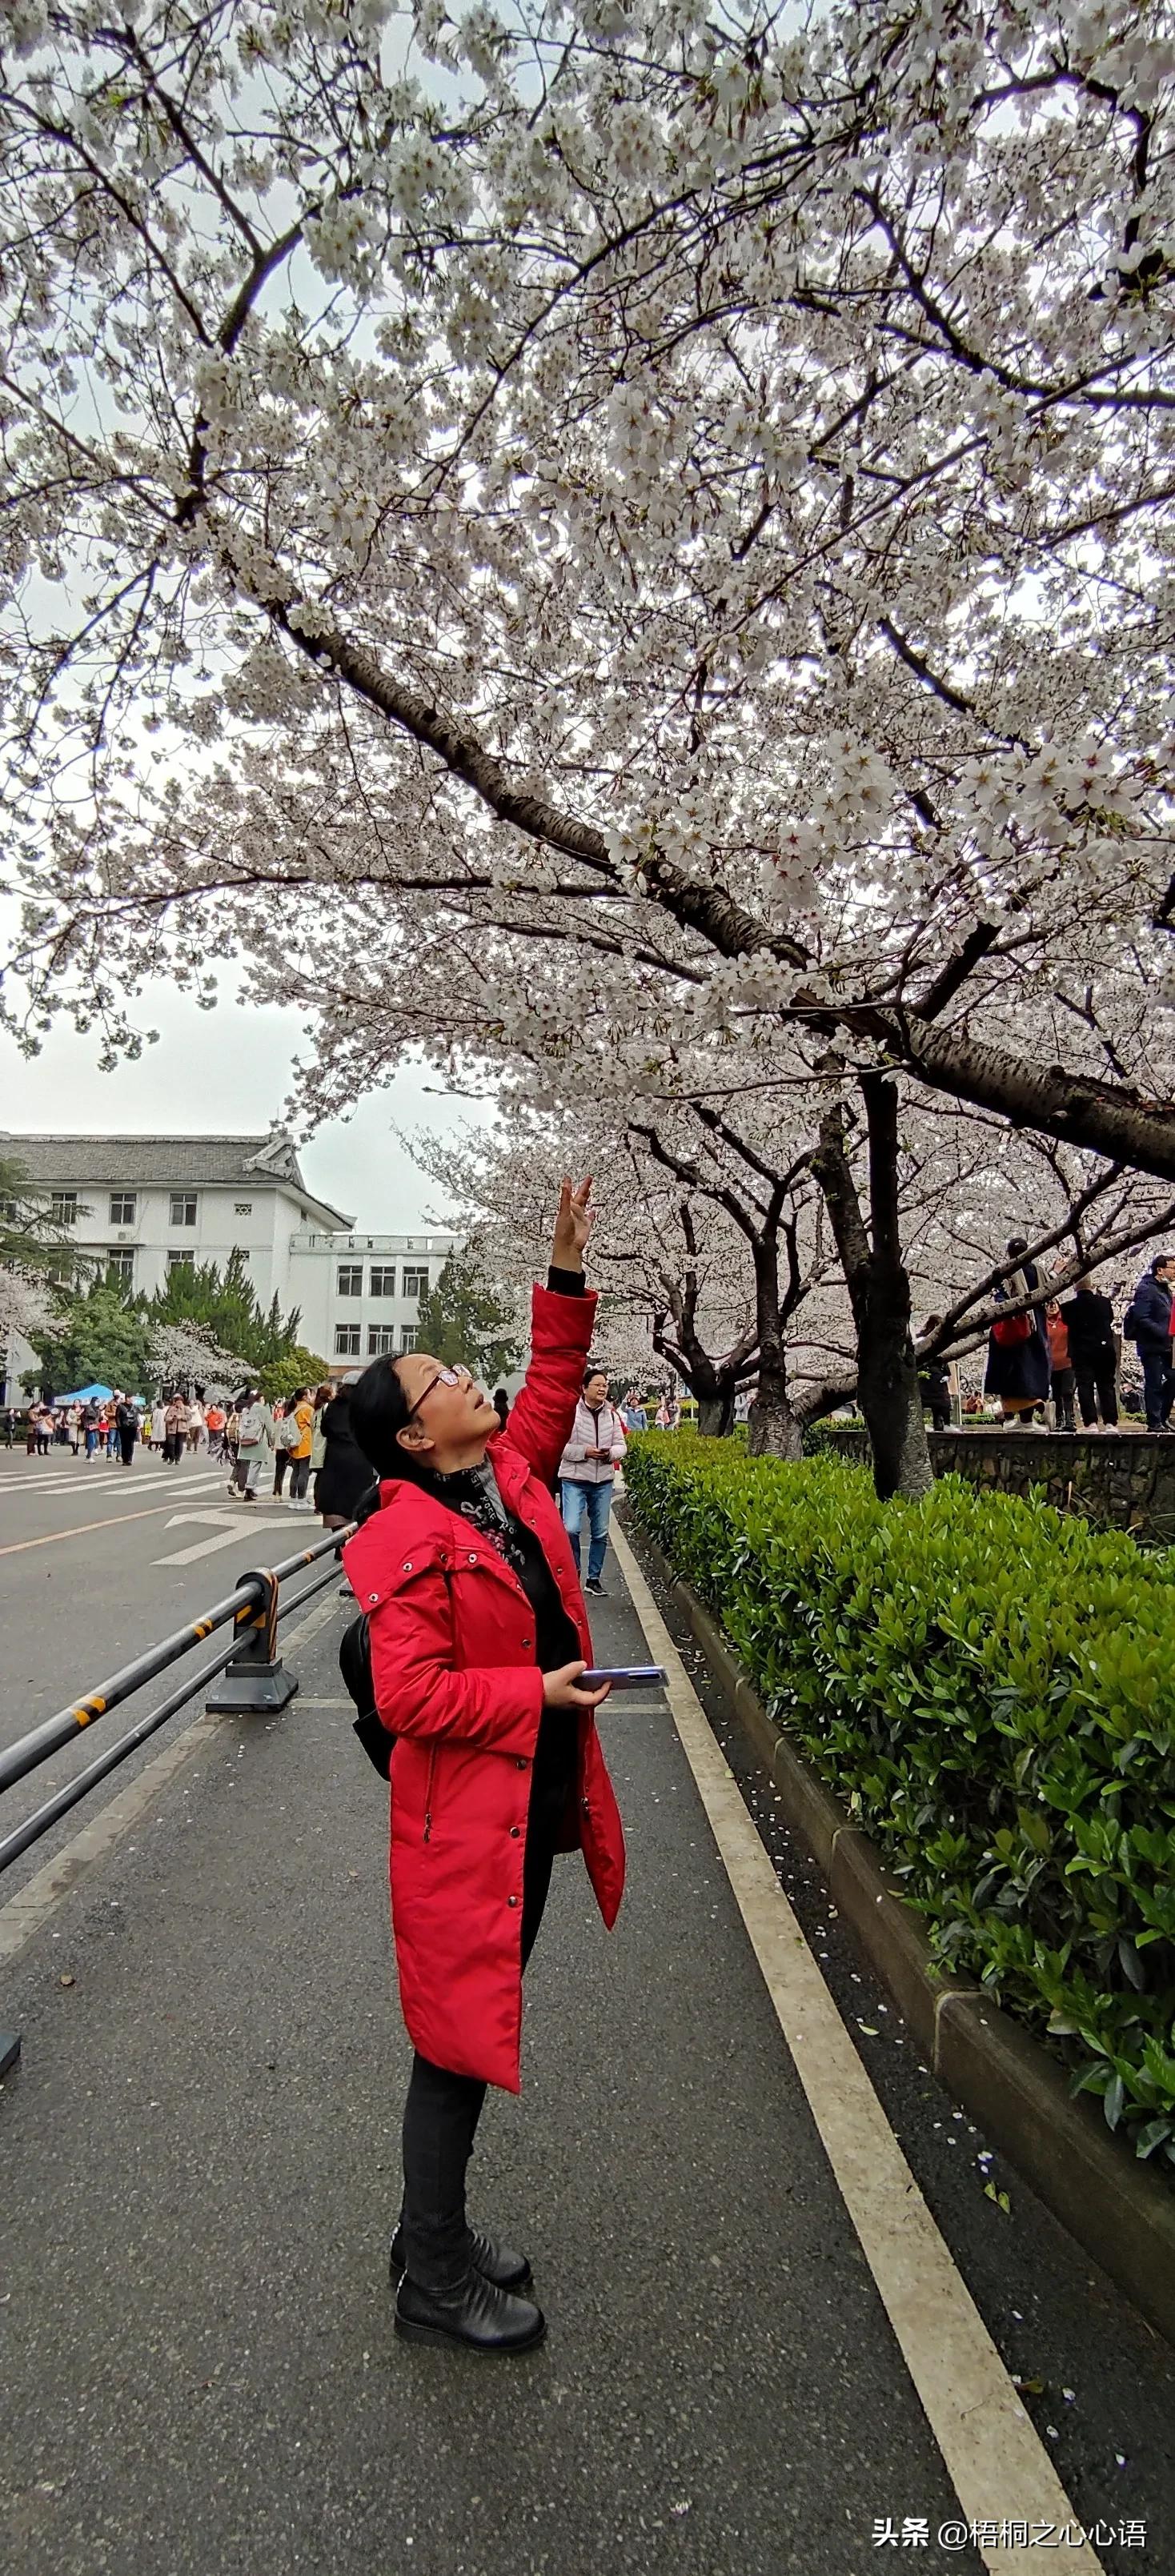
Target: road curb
(1118, 2211)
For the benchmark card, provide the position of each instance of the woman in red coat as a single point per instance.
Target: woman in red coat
(478, 1639)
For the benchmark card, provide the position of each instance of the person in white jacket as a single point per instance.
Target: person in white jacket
(587, 1472)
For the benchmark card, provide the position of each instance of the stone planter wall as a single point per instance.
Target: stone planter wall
(1118, 1479)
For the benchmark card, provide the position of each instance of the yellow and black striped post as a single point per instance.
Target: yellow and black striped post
(254, 1677)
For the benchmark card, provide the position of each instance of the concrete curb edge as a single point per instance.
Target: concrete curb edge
(1117, 2210)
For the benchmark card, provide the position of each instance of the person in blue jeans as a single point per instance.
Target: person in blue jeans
(587, 1472)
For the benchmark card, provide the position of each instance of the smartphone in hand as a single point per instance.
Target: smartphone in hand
(633, 1676)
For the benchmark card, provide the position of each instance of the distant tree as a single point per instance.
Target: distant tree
(463, 1319)
(182, 1355)
(223, 1305)
(94, 1335)
(32, 1239)
(299, 1367)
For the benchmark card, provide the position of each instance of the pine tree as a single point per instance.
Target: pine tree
(462, 1319)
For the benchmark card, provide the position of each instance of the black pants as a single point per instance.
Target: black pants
(440, 2121)
(126, 1442)
(1063, 1379)
(299, 1478)
(280, 1464)
(1097, 1392)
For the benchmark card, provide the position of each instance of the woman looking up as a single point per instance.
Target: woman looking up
(478, 1637)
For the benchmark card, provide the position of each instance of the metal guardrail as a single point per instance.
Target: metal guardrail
(254, 1678)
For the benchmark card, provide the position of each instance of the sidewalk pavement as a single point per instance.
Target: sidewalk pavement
(201, 2173)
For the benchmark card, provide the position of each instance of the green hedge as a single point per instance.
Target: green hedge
(990, 1690)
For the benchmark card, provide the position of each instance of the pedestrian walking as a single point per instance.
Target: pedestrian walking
(43, 1430)
(478, 1641)
(1018, 1365)
(9, 1424)
(1089, 1317)
(1148, 1325)
(254, 1444)
(587, 1472)
(175, 1430)
(90, 1418)
(1061, 1365)
(126, 1420)
(196, 1425)
(215, 1418)
(299, 1429)
(281, 1451)
(232, 1435)
(345, 1474)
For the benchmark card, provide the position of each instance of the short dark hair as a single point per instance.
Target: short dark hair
(1161, 1261)
(1018, 1243)
(594, 1368)
(379, 1409)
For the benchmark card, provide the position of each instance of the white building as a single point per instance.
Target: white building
(144, 1204)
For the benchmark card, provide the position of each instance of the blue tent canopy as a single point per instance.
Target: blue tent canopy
(86, 1395)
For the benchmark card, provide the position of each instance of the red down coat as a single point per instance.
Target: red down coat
(455, 1675)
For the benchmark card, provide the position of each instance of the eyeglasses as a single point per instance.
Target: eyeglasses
(444, 1377)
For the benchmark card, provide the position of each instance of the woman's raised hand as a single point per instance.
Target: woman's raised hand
(573, 1224)
(559, 1689)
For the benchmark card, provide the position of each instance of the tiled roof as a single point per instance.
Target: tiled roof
(161, 1162)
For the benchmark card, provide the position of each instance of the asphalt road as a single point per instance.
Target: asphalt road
(200, 2158)
(87, 1581)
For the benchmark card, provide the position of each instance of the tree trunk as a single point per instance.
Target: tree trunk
(716, 1414)
(879, 1290)
(772, 1430)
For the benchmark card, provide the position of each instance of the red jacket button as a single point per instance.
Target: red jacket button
(515, 1831)
(520, 1761)
(511, 1900)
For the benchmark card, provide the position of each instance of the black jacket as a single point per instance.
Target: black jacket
(345, 1474)
(1090, 1321)
(1151, 1307)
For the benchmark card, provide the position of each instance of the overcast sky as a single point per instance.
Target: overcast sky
(227, 1072)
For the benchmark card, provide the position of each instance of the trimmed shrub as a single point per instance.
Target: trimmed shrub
(990, 1690)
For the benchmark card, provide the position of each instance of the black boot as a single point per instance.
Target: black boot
(473, 2316)
(496, 2263)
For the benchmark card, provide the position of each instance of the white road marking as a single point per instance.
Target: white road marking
(126, 1482)
(229, 1525)
(24, 1915)
(996, 2463)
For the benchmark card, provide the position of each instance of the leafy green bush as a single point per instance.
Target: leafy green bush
(990, 1689)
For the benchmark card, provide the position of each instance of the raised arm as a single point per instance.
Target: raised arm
(563, 1318)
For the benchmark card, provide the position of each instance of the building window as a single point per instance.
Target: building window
(122, 1207)
(415, 1283)
(380, 1338)
(350, 1279)
(407, 1337)
(383, 1278)
(63, 1207)
(120, 1264)
(183, 1207)
(243, 1207)
(346, 1341)
(181, 1261)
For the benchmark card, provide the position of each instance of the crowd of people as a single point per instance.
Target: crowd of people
(306, 1436)
(1070, 1353)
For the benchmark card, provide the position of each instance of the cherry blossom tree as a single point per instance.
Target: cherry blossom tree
(692, 497)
